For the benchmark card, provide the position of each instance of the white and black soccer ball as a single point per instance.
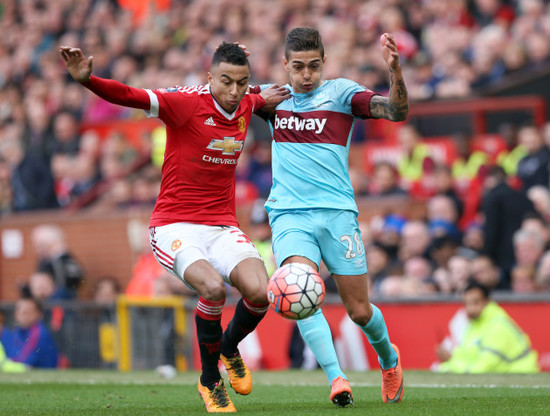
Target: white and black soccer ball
(295, 291)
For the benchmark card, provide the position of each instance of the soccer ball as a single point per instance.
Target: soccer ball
(295, 291)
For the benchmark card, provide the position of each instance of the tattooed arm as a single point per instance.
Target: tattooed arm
(395, 107)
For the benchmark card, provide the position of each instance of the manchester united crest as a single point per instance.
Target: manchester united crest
(176, 244)
(242, 124)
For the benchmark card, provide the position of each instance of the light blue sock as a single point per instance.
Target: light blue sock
(316, 334)
(377, 334)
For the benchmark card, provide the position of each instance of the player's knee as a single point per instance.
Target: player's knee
(361, 316)
(213, 291)
(259, 297)
(256, 292)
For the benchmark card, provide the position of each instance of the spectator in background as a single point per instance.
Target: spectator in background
(441, 251)
(144, 190)
(37, 134)
(106, 291)
(542, 278)
(540, 197)
(359, 181)
(85, 175)
(390, 234)
(415, 240)
(55, 258)
(528, 248)
(379, 263)
(460, 270)
(492, 343)
(146, 268)
(545, 131)
(30, 341)
(467, 165)
(523, 280)
(30, 175)
(488, 12)
(7, 365)
(473, 237)
(66, 134)
(534, 168)
(444, 185)
(503, 209)
(533, 223)
(415, 156)
(485, 272)
(42, 287)
(385, 181)
(6, 195)
(419, 270)
(509, 158)
(443, 217)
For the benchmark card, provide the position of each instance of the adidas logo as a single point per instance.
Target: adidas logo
(209, 122)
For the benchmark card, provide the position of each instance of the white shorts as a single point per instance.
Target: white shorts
(176, 246)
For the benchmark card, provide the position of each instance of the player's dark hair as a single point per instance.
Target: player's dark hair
(231, 54)
(304, 39)
(474, 284)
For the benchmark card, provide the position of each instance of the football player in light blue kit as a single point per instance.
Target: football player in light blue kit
(312, 210)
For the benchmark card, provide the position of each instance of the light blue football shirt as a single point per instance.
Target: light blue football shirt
(311, 139)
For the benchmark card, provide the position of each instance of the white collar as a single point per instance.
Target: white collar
(220, 108)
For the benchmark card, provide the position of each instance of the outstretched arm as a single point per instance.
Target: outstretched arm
(80, 68)
(395, 107)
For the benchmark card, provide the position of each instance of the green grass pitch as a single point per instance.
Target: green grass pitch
(142, 393)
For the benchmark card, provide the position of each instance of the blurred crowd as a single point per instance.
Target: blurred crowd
(487, 218)
(449, 48)
(50, 158)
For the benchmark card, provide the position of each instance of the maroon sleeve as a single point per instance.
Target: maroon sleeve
(360, 103)
(117, 93)
(254, 89)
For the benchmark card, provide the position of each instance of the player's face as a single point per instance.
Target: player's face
(229, 84)
(305, 69)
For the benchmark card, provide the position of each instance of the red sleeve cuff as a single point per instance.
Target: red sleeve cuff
(360, 103)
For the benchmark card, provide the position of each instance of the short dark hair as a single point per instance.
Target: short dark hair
(497, 172)
(230, 53)
(474, 284)
(304, 39)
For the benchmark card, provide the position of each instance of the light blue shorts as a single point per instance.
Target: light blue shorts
(329, 234)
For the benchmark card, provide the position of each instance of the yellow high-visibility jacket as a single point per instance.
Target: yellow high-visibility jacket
(411, 168)
(493, 343)
(9, 366)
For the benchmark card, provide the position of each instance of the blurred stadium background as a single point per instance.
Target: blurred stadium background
(477, 72)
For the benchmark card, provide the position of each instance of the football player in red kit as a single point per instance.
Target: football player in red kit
(194, 230)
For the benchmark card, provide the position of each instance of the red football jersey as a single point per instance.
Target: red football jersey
(202, 149)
